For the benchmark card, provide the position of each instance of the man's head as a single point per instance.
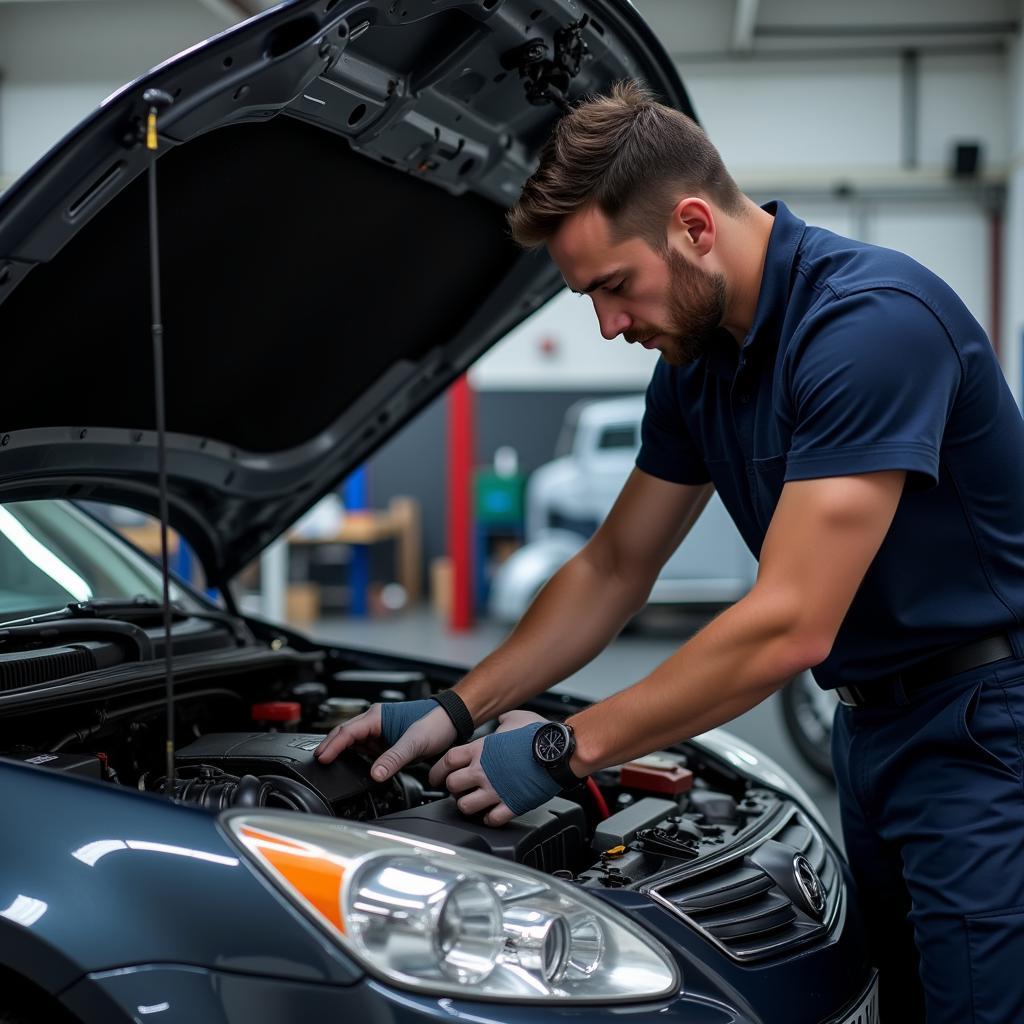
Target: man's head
(627, 198)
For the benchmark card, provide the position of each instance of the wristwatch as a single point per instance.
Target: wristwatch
(553, 746)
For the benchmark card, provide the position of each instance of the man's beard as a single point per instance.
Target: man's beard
(696, 306)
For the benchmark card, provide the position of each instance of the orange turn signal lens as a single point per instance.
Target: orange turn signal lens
(311, 871)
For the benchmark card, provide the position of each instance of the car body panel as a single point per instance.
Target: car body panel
(121, 877)
(125, 902)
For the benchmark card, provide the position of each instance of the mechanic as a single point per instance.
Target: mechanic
(853, 418)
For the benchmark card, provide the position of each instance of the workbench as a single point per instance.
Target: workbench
(400, 523)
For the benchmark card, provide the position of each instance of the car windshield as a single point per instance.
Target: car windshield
(619, 436)
(52, 553)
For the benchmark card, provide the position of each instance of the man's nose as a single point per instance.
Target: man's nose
(613, 322)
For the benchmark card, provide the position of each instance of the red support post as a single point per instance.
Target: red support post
(461, 452)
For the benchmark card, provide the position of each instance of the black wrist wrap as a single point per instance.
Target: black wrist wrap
(457, 711)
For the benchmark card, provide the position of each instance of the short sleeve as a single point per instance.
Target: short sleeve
(667, 450)
(872, 382)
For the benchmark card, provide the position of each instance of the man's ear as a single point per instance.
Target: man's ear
(692, 226)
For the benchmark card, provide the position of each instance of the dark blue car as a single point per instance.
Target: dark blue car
(333, 177)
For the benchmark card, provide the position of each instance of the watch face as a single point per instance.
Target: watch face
(551, 743)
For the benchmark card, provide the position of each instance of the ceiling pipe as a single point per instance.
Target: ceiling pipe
(993, 49)
(963, 28)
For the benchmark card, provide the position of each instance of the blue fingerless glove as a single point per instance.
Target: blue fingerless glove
(396, 718)
(507, 761)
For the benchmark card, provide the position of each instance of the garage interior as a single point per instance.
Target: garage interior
(898, 124)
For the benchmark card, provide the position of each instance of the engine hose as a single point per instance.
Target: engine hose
(215, 790)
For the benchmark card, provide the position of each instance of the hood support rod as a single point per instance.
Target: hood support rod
(157, 100)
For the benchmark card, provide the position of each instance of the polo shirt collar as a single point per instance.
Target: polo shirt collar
(773, 297)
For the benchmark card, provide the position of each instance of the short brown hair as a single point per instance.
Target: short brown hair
(628, 154)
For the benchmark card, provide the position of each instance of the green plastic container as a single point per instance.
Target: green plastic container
(498, 500)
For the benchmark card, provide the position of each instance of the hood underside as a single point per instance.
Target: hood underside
(333, 179)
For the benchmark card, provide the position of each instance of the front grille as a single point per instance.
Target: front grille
(749, 904)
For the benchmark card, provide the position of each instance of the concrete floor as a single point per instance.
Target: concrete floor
(652, 639)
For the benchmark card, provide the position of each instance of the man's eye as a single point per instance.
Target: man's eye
(618, 288)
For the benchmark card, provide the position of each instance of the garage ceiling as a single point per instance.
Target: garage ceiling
(727, 29)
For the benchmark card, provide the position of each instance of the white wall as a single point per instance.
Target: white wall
(808, 116)
(1013, 292)
(811, 118)
(560, 348)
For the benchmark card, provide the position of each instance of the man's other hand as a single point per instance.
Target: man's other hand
(497, 776)
(412, 730)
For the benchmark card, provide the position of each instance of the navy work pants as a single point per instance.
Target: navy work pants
(932, 800)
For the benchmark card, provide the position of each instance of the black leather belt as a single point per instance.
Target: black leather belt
(941, 666)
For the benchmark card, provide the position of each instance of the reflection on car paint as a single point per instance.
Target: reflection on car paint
(25, 910)
(93, 852)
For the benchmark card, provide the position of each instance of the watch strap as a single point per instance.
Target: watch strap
(455, 708)
(564, 775)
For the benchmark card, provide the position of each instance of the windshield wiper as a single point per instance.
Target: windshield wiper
(100, 608)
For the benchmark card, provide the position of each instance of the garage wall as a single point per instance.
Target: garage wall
(843, 116)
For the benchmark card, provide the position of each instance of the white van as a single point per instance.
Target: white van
(568, 498)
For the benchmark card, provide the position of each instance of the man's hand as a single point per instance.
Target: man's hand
(412, 730)
(497, 776)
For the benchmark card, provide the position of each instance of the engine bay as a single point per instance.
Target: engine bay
(627, 825)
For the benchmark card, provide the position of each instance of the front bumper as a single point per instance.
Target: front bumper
(183, 994)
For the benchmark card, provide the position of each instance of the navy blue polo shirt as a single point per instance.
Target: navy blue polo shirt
(861, 360)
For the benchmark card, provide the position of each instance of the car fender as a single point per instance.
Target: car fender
(123, 877)
(32, 957)
(757, 765)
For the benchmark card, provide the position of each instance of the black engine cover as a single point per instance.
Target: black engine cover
(281, 753)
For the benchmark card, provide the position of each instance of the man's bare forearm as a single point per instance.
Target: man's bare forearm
(732, 664)
(579, 612)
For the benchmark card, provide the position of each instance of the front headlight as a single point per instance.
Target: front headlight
(454, 922)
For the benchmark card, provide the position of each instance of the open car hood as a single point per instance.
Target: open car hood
(333, 179)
